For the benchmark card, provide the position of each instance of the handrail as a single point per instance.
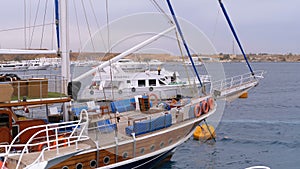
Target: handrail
(83, 122)
(236, 80)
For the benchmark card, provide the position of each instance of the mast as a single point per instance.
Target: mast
(183, 40)
(65, 55)
(57, 26)
(63, 33)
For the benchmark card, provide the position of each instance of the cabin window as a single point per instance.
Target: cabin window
(65, 167)
(141, 83)
(79, 166)
(152, 82)
(128, 81)
(93, 164)
(15, 131)
(142, 151)
(4, 120)
(170, 141)
(106, 160)
(161, 82)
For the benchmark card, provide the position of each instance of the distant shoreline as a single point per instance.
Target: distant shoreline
(161, 57)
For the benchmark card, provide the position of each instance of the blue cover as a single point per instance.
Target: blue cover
(158, 123)
(77, 110)
(141, 127)
(122, 105)
(168, 120)
(105, 126)
(149, 125)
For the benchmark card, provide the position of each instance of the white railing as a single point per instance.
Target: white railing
(51, 141)
(235, 81)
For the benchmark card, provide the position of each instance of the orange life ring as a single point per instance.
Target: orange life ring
(210, 103)
(41, 147)
(197, 110)
(2, 165)
(155, 98)
(205, 107)
(60, 140)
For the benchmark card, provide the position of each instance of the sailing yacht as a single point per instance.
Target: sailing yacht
(129, 132)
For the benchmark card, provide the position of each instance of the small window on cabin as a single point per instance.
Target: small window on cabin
(128, 81)
(4, 120)
(141, 83)
(152, 82)
(161, 83)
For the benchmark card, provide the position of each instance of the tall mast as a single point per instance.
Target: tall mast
(65, 55)
(57, 26)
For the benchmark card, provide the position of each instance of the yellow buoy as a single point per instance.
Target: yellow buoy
(202, 132)
(244, 95)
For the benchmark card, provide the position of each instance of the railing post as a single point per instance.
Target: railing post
(241, 80)
(56, 140)
(19, 93)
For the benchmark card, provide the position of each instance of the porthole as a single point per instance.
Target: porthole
(142, 151)
(79, 166)
(152, 148)
(170, 141)
(93, 164)
(106, 160)
(65, 167)
(162, 144)
(125, 155)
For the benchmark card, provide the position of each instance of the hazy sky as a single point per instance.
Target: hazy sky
(270, 26)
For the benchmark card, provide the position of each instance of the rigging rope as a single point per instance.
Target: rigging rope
(34, 23)
(98, 25)
(235, 35)
(77, 23)
(22, 28)
(43, 28)
(107, 23)
(159, 9)
(25, 35)
(88, 26)
(183, 40)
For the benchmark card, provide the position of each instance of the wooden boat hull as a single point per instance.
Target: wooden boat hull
(146, 152)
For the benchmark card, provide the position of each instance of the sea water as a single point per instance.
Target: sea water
(263, 130)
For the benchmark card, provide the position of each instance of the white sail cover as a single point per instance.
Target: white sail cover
(26, 51)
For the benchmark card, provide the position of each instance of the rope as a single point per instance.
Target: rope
(235, 35)
(25, 35)
(107, 23)
(43, 28)
(88, 26)
(36, 14)
(77, 23)
(159, 9)
(211, 134)
(98, 25)
(24, 28)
